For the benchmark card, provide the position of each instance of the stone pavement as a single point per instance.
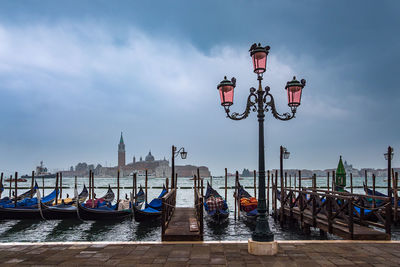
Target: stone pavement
(291, 253)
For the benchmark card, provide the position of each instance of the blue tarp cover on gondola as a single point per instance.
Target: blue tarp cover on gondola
(157, 202)
(31, 202)
(150, 210)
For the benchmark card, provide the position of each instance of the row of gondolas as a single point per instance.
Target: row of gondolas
(31, 205)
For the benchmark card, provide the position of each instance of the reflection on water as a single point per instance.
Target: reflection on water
(129, 230)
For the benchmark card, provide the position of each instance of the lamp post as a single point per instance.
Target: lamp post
(174, 154)
(389, 156)
(284, 154)
(261, 101)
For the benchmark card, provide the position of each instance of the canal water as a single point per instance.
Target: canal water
(129, 230)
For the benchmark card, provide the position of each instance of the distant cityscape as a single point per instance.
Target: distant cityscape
(155, 168)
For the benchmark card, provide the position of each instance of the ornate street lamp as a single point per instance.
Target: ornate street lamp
(261, 101)
(389, 156)
(175, 153)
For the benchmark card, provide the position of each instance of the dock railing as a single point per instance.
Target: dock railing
(317, 207)
(168, 208)
(198, 205)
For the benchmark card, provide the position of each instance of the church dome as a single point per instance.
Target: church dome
(149, 157)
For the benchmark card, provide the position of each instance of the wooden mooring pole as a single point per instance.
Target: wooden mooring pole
(93, 195)
(61, 186)
(135, 179)
(166, 184)
(42, 186)
(57, 179)
(90, 184)
(365, 178)
(255, 183)
(145, 184)
(238, 201)
(16, 188)
(373, 189)
(33, 178)
(327, 180)
(226, 184)
(1, 182)
(118, 173)
(10, 186)
(333, 181)
(396, 198)
(351, 183)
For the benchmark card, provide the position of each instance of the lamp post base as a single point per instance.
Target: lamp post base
(262, 248)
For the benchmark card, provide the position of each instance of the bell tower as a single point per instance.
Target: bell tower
(121, 153)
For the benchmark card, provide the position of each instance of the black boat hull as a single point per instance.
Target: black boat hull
(20, 214)
(142, 216)
(56, 213)
(97, 214)
(217, 218)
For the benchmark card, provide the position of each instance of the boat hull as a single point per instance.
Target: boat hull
(142, 216)
(20, 214)
(59, 213)
(97, 214)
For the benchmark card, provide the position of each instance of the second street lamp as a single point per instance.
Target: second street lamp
(175, 153)
(261, 101)
(389, 156)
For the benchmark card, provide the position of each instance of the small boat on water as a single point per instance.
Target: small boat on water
(216, 208)
(248, 204)
(65, 210)
(149, 213)
(27, 194)
(102, 209)
(18, 180)
(28, 210)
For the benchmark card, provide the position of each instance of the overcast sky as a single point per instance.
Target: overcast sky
(73, 75)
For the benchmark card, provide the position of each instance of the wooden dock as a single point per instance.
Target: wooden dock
(182, 223)
(183, 226)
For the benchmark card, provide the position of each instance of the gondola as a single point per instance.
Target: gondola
(64, 211)
(218, 215)
(149, 214)
(26, 212)
(32, 202)
(32, 191)
(249, 211)
(103, 210)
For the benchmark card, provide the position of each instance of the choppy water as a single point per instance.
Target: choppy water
(129, 230)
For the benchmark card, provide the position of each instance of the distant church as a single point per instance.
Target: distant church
(155, 168)
(158, 168)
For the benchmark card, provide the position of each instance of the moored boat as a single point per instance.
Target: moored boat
(102, 209)
(248, 204)
(216, 208)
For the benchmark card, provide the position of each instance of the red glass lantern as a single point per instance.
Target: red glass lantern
(259, 55)
(294, 89)
(226, 88)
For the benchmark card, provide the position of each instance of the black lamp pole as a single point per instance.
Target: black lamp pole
(260, 101)
(389, 170)
(174, 154)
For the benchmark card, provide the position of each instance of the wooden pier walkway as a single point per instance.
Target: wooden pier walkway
(183, 226)
(182, 223)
